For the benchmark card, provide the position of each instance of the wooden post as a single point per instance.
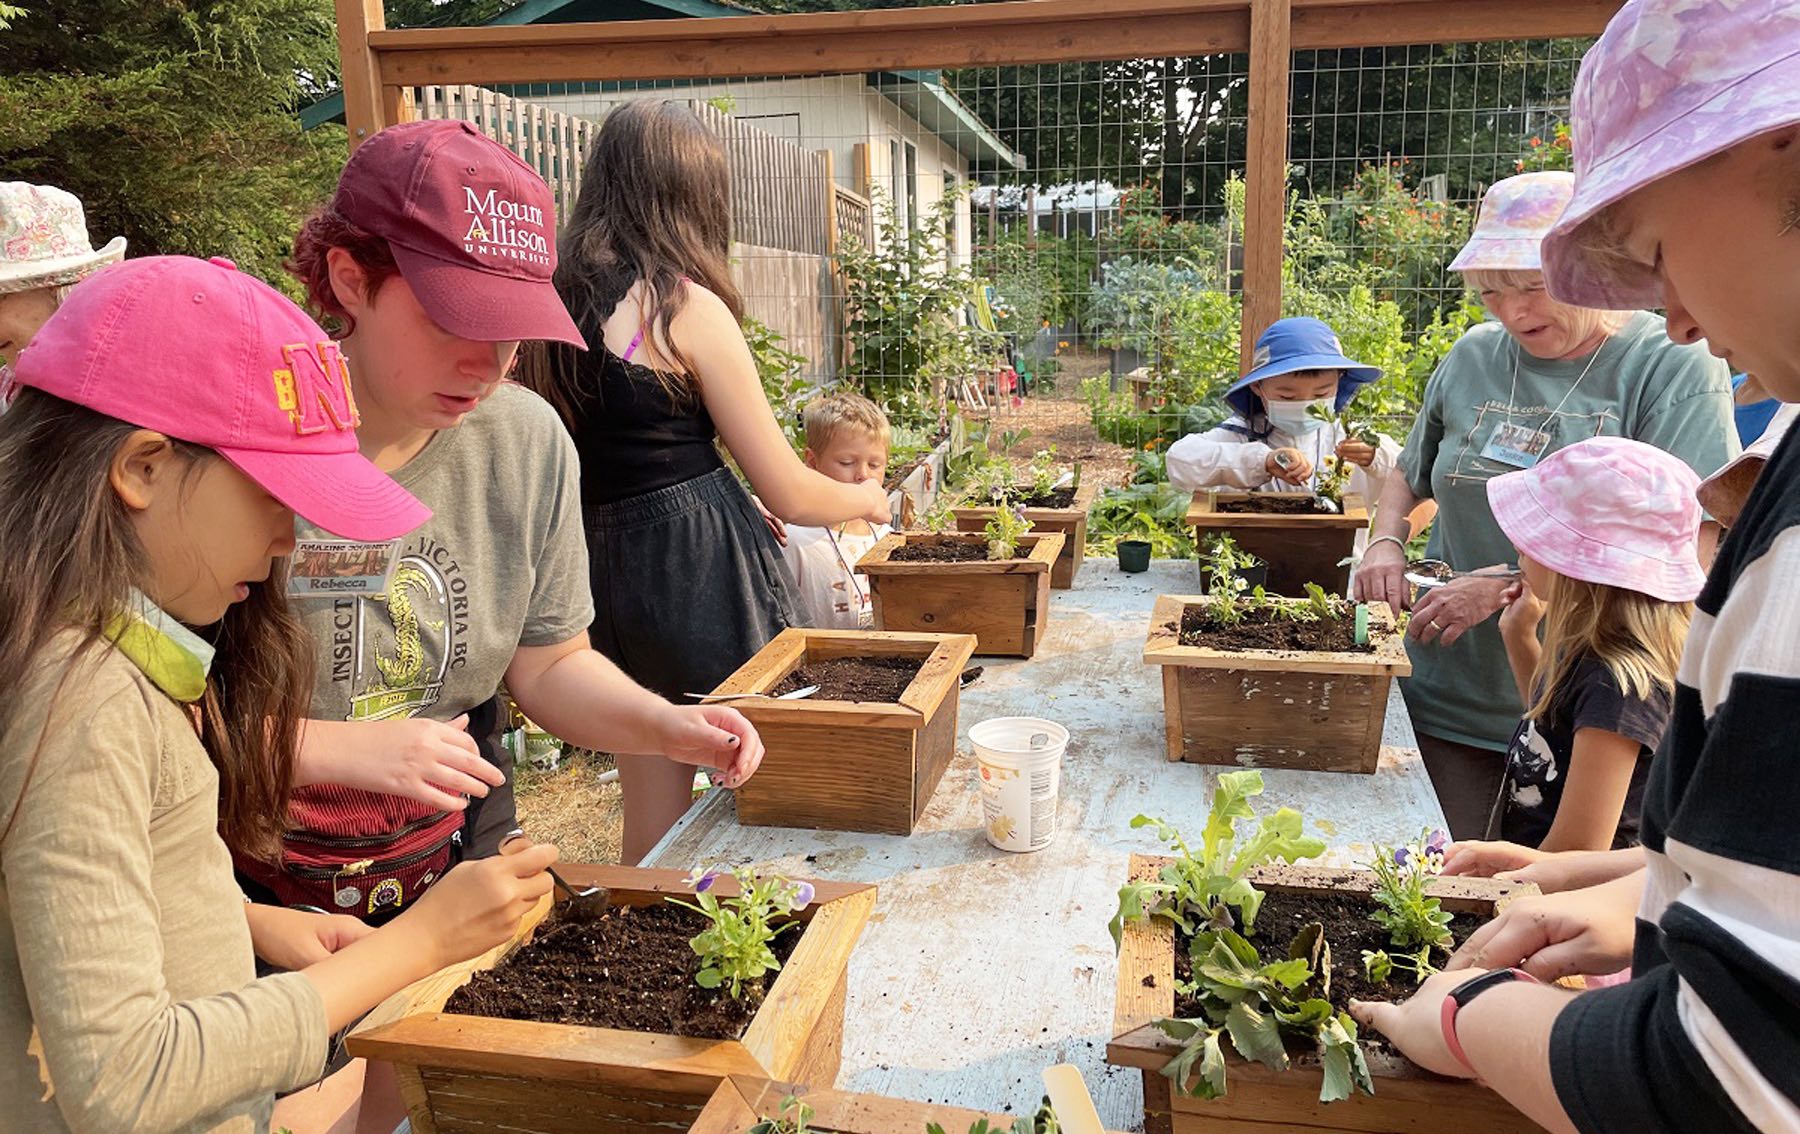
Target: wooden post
(1265, 173)
(366, 105)
(827, 167)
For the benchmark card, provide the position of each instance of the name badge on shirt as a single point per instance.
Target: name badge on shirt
(341, 567)
(1516, 445)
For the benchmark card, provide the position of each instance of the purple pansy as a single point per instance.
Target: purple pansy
(1402, 855)
(1437, 843)
(803, 895)
(706, 880)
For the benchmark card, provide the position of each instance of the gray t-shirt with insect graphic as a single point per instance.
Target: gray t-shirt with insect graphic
(1639, 385)
(500, 564)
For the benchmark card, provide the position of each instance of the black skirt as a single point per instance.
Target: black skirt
(688, 583)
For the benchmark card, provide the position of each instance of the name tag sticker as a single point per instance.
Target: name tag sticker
(341, 567)
(1516, 445)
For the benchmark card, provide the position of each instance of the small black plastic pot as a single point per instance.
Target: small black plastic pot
(1134, 555)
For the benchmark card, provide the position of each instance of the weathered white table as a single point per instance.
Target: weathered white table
(980, 968)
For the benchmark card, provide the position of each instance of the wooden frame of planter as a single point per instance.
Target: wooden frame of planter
(1298, 549)
(1322, 712)
(1407, 1098)
(744, 1100)
(1071, 522)
(476, 1075)
(850, 765)
(1005, 603)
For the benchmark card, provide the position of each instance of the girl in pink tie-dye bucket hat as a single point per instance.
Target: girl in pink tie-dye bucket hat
(1607, 533)
(1686, 119)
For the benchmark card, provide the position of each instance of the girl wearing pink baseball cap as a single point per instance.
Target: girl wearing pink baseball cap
(150, 471)
(1687, 195)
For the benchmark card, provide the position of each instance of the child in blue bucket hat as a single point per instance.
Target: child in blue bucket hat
(1272, 441)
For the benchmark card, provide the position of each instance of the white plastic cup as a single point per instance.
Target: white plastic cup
(1020, 759)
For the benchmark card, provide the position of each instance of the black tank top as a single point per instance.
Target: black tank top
(631, 435)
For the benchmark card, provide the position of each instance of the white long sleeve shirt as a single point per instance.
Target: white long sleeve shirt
(1226, 457)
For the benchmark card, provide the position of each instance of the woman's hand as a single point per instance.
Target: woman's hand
(1557, 935)
(776, 527)
(1356, 452)
(712, 736)
(1381, 576)
(1416, 1026)
(431, 762)
(1558, 871)
(1290, 465)
(478, 904)
(1479, 859)
(881, 509)
(1446, 613)
(1523, 611)
(290, 940)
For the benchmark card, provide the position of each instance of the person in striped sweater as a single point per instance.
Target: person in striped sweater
(1687, 129)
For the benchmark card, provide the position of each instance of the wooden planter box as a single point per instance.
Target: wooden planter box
(1298, 549)
(1070, 522)
(475, 1075)
(1407, 1099)
(1323, 712)
(842, 765)
(744, 1100)
(1005, 604)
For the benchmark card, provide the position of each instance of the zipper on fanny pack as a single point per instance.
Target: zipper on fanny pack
(342, 870)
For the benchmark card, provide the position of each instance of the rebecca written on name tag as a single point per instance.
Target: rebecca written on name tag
(340, 567)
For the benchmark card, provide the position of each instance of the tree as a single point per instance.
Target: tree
(174, 121)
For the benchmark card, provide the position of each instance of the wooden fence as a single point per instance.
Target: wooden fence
(549, 141)
(378, 63)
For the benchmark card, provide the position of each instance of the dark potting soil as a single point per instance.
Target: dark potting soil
(1348, 931)
(949, 551)
(1030, 498)
(1261, 630)
(632, 969)
(853, 679)
(1275, 504)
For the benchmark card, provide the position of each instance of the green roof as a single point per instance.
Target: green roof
(919, 93)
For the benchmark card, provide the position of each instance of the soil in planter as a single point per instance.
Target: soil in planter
(1274, 504)
(853, 679)
(632, 969)
(1348, 931)
(1030, 498)
(896, 477)
(1262, 630)
(949, 551)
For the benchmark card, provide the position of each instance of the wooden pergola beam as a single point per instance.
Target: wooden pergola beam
(1265, 168)
(365, 110)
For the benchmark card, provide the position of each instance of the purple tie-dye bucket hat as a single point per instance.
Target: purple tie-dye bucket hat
(1607, 510)
(1671, 83)
(1515, 216)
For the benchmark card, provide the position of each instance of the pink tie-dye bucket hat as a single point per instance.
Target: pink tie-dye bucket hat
(1515, 216)
(1607, 510)
(1670, 83)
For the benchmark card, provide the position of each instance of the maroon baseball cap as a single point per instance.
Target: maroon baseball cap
(472, 227)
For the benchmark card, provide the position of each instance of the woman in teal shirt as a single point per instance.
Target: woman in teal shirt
(1540, 376)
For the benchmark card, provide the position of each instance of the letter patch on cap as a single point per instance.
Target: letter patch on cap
(314, 388)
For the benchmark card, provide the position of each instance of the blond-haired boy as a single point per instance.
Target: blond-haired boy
(847, 439)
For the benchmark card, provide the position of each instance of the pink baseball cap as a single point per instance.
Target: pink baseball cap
(1669, 84)
(472, 228)
(199, 351)
(1515, 215)
(1607, 510)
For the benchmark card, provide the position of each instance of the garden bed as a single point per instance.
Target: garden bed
(1406, 1098)
(1063, 511)
(1282, 707)
(742, 1101)
(864, 753)
(1004, 603)
(1300, 548)
(484, 1075)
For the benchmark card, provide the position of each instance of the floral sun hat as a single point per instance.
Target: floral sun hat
(1607, 510)
(1515, 216)
(44, 239)
(1670, 83)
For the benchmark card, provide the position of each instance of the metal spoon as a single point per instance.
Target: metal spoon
(586, 904)
(716, 698)
(1282, 460)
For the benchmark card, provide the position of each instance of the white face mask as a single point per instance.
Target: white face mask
(1295, 418)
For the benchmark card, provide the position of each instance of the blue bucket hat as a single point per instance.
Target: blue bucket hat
(1299, 343)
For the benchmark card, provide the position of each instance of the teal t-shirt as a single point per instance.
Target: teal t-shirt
(1640, 385)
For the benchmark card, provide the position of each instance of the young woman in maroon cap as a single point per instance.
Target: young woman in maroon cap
(434, 259)
(688, 582)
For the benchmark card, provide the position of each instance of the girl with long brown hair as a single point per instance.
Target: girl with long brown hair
(164, 435)
(688, 581)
